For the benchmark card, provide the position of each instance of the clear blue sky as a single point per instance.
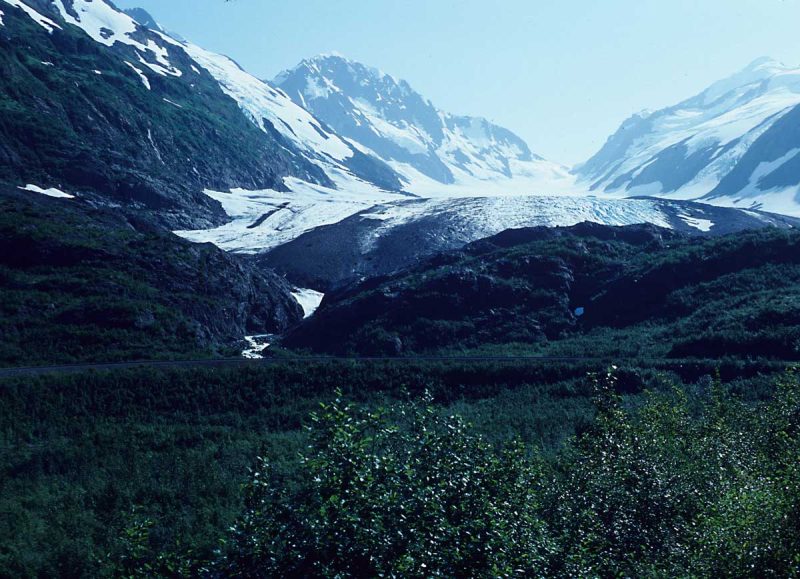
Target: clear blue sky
(562, 74)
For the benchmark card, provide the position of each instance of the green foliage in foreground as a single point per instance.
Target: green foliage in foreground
(415, 495)
(85, 456)
(676, 488)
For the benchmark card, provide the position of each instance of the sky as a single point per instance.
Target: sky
(562, 74)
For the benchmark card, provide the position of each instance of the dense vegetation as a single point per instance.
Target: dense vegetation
(85, 284)
(90, 461)
(81, 284)
(709, 488)
(630, 292)
(142, 471)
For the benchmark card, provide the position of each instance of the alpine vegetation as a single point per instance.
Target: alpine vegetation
(270, 311)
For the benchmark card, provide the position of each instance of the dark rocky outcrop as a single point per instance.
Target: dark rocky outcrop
(538, 285)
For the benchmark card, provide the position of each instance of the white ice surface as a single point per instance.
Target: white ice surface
(474, 218)
(309, 206)
(295, 212)
(51, 192)
(308, 299)
(41, 20)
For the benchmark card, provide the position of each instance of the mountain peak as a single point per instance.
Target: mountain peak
(335, 64)
(764, 63)
(143, 17)
(387, 117)
(757, 72)
(333, 55)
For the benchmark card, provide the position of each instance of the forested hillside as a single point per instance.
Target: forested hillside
(79, 284)
(588, 290)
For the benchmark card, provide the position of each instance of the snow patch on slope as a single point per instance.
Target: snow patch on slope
(765, 169)
(42, 21)
(51, 192)
(263, 103)
(704, 225)
(403, 134)
(783, 200)
(308, 299)
(108, 26)
(142, 76)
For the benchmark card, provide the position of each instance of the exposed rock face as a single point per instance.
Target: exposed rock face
(394, 122)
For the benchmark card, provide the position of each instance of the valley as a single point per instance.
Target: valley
(318, 326)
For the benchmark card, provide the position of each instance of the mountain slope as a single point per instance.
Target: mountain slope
(123, 116)
(85, 284)
(272, 110)
(391, 236)
(588, 290)
(98, 105)
(733, 144)
(428, 147)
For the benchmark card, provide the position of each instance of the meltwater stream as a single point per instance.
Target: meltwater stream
(308, 299)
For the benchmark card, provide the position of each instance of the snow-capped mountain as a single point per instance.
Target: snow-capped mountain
(112, 112)
(428, 147)
(736, 143)
(274, 112)
(110, 109)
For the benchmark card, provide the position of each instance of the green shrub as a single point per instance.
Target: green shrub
(406, 494)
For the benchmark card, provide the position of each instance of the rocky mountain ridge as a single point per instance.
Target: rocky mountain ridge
(734, 144)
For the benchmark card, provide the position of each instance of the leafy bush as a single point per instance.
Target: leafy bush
(417, 495)
(705, 488)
